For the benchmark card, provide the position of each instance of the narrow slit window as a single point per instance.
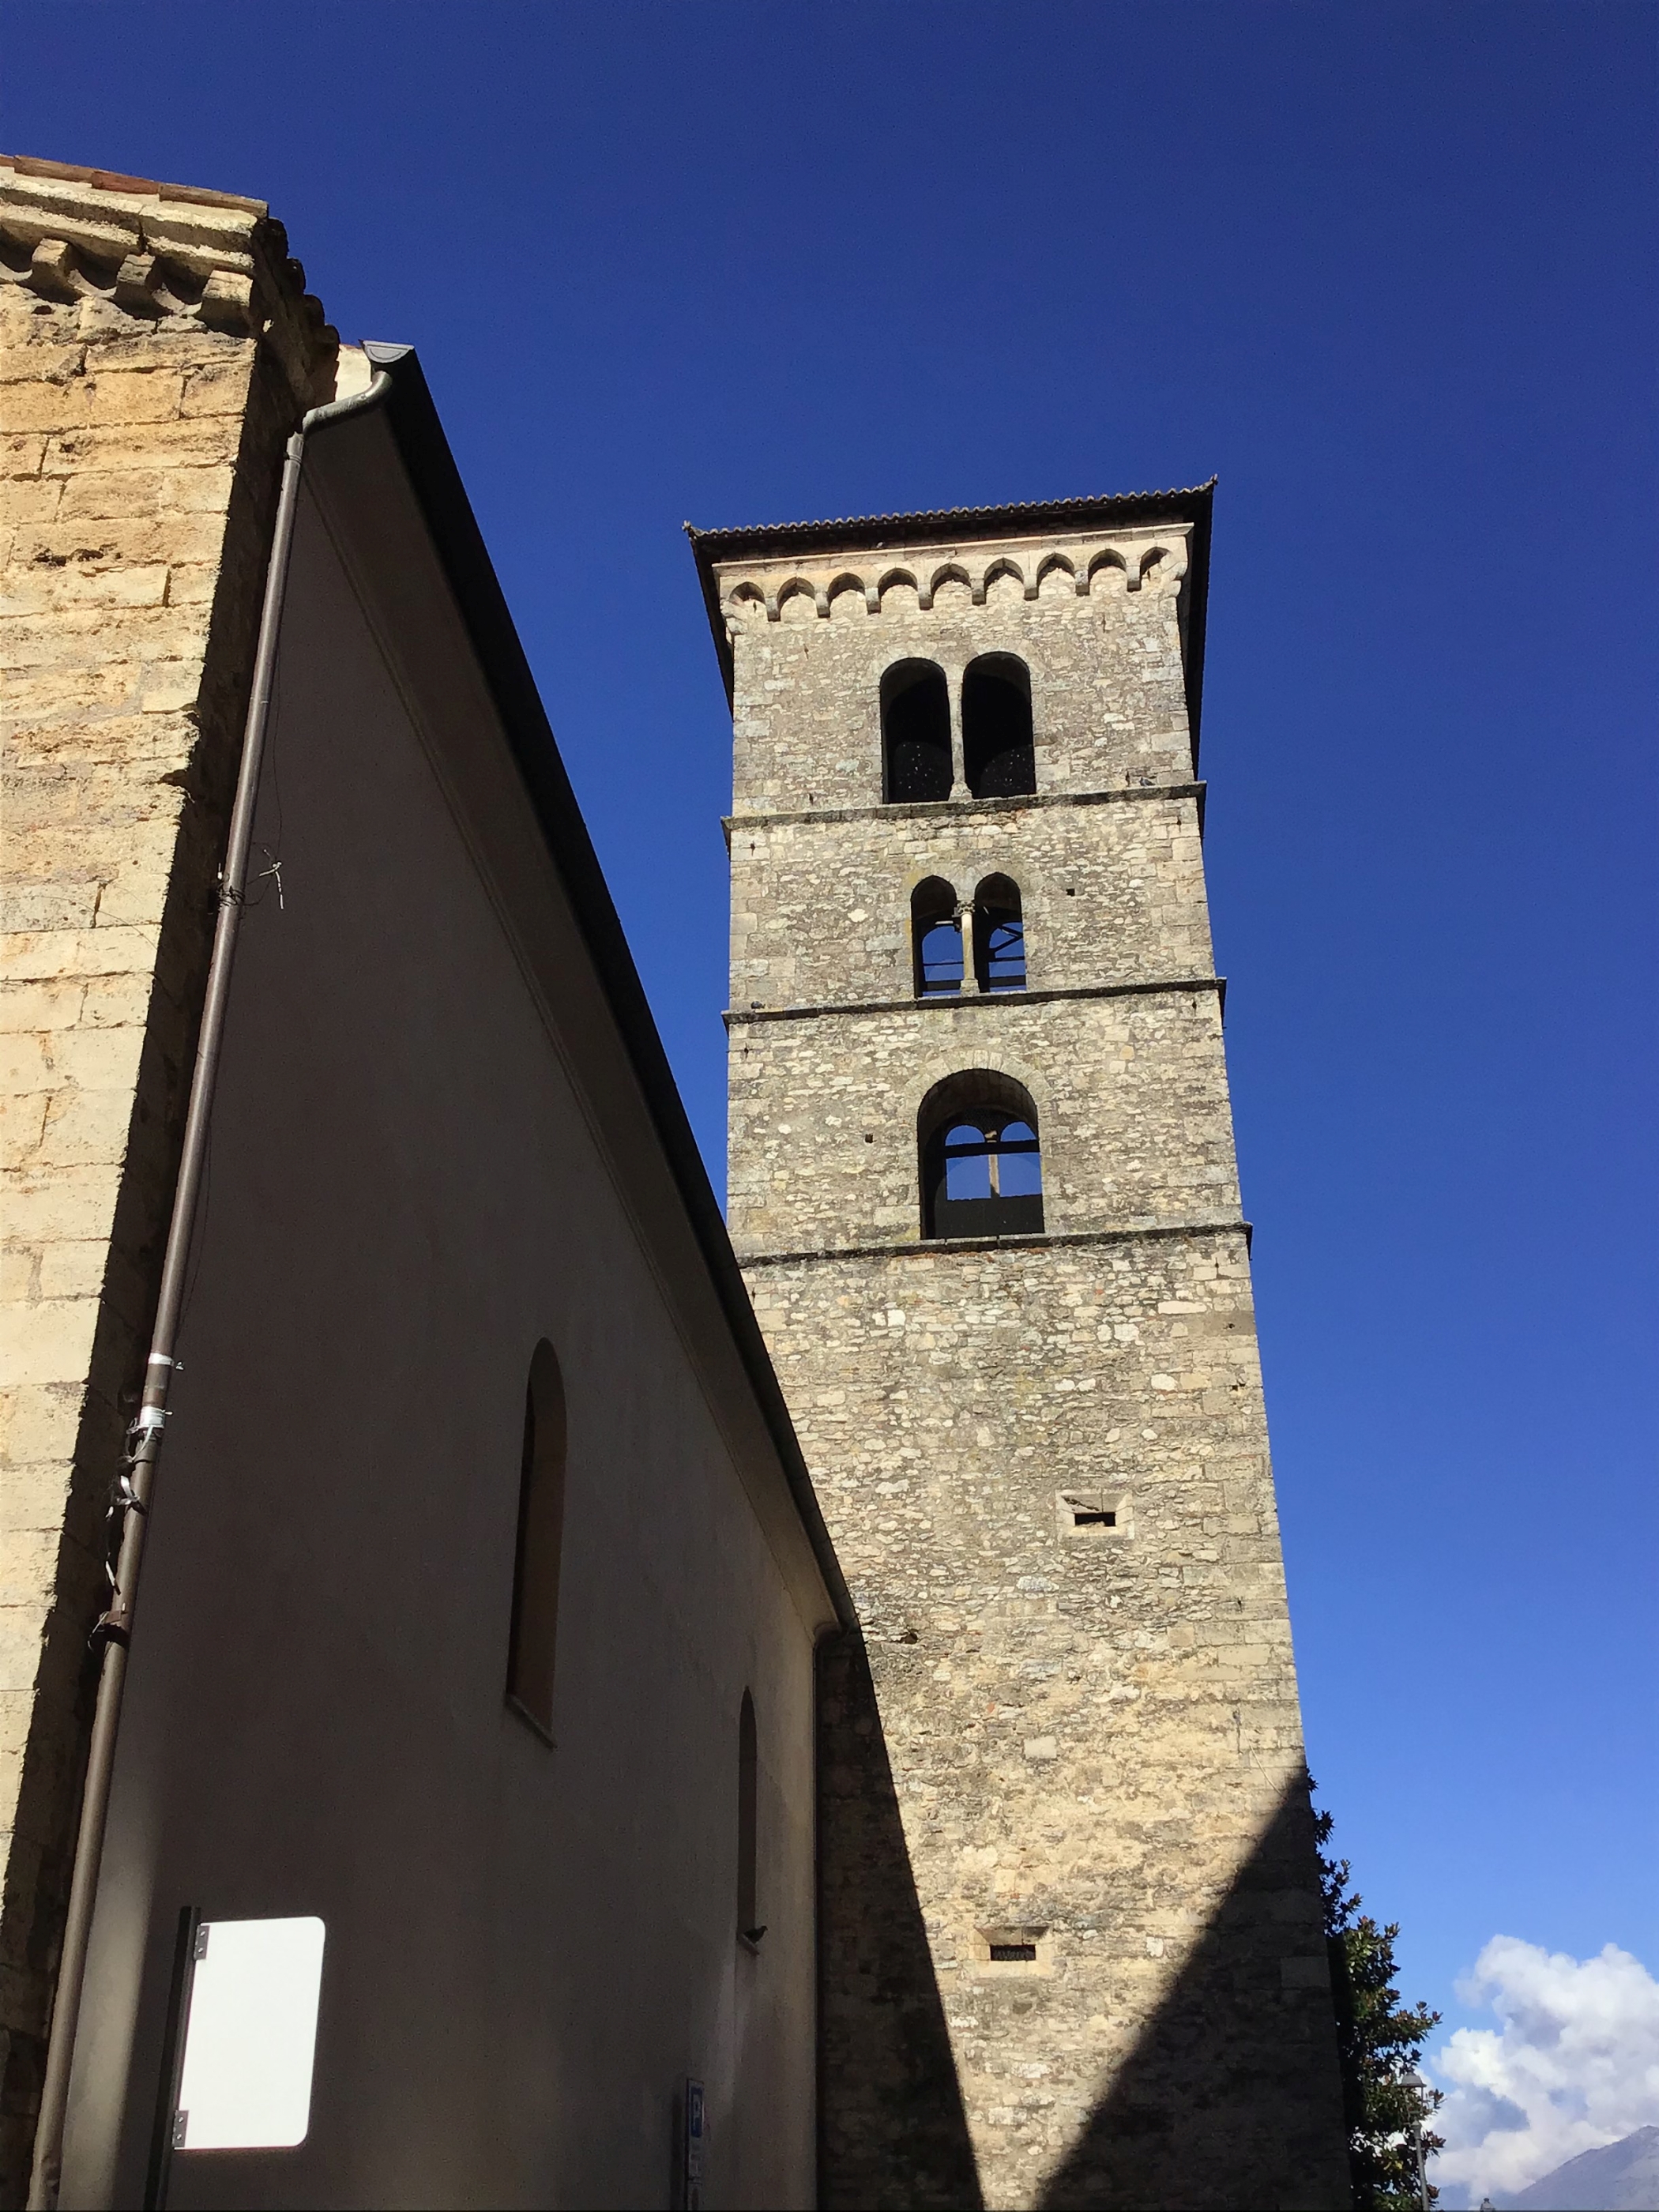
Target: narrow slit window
(1013, 1955)
(534, 1644)
(748, 1822)
(1090, 1517)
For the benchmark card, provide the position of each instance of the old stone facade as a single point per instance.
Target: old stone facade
(1042, 1454)
(156, 346)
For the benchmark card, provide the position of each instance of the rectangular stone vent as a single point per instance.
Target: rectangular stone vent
(1014, 1950)
(1092, 1516)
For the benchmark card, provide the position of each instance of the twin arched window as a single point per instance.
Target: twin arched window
(998, 755)
(982, 1167)
(979, 945)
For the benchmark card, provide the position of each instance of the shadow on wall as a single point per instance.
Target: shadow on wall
(1231, 2095)
(893, 2129)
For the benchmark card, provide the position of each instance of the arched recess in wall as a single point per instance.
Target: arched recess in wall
(748, 1824)
(998, 754)
(998, 935)
(935, 937)
(982, 1167)
(915, 732)
(1108, 561)
(533, 1645)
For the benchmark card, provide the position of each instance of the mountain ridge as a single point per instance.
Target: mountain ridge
(1619, 2177)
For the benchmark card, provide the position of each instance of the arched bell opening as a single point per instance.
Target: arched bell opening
(981, 1166)
(999, 749)
(915, 733)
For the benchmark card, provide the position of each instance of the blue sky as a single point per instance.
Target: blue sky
(1389, 271)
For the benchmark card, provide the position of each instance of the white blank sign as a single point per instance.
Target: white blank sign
(251, 2036)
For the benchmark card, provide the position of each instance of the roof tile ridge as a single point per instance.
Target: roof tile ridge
(114, 180)
(936, 515)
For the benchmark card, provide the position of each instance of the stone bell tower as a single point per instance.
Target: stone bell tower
(982, 1186)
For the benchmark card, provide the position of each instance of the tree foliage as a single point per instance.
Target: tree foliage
(1378, 2042)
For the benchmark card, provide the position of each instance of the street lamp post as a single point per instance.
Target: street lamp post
(1414, 2082)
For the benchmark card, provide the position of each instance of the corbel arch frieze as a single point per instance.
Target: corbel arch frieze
(1165, 565)
(948, 572)
(1002, 566)
(1050, 564)
(1109, 561)
(1158, 563)
(747, 600)
(795, 588)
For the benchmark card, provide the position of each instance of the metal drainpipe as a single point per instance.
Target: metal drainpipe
(144, 1438)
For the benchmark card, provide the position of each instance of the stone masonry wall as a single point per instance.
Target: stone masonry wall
(1091, 1731)
(823, 1113)
(1091, 1727)
(1106, 692)
(155, 348)
(1111, 893)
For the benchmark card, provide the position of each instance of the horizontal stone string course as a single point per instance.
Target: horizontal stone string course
(936, 1246)
(961, 810)
(959, 999)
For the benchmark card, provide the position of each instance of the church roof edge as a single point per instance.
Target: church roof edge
(418, 432)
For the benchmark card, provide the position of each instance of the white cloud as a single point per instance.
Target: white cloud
(1573, 2064)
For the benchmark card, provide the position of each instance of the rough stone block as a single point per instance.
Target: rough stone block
(205, 440)
(38, 1426)
(30, 499)
(50, 1342)
(43, 1205)
(20, 455)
